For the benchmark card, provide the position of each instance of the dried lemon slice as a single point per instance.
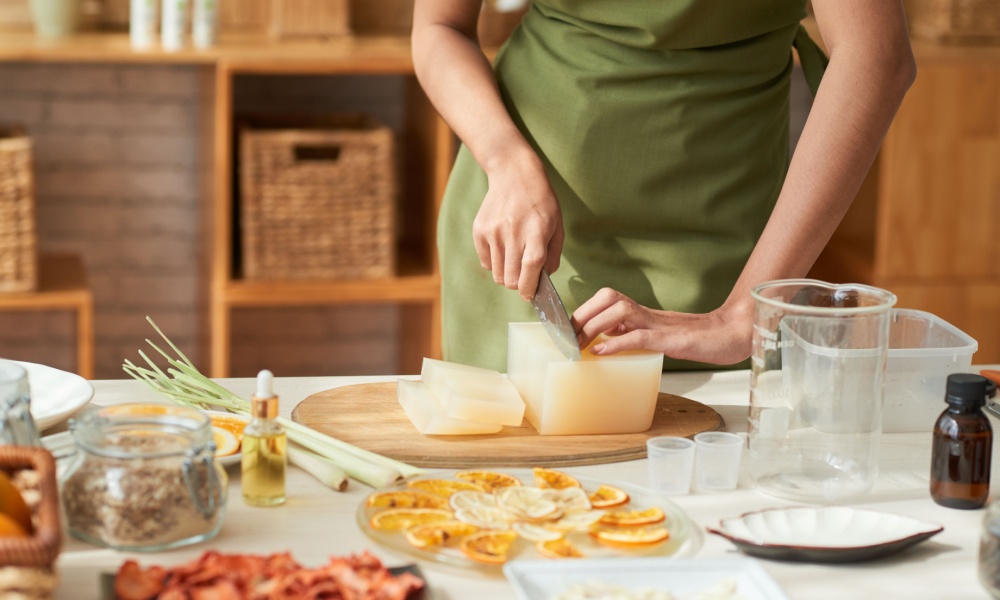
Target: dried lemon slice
(484, 517)
(527, 503)
(439, 533)
(488, 546)
(577, 521)
(490, 481)
(536, 533)
(443, 487)
(642, 536)
(470, 499)
(547, 478)
(571, 499)
(395, 519)
(634, 517)
(558, 549)
(227, 443)
(607, 496)
(406, 499)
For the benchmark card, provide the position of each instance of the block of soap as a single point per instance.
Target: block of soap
(595, 395)
(473, 394)
(428, 415)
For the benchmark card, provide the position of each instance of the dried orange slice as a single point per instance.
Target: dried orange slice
(558, 549)
(484, 517)
(634, 517)
(234, 423)
(527, 503)
(395, 519)
(536, 533)
(443, 487)
(571, 499)
(490, 481)
(547, 478)
(470, 499)
(577, 521)
(641, 536)
(407, 499)
(439, 533)
(488, 546)
(226, 442)
(607, 496)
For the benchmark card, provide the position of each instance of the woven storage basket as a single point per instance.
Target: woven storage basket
(18, 245)
(26, 564)
(955, 21)
(317, 200)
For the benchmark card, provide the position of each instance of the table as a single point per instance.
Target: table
(316, 522)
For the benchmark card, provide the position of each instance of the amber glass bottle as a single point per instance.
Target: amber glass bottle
(962, 447)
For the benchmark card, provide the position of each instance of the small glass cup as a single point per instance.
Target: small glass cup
(671, 461)
(17, 427)
(717, 461)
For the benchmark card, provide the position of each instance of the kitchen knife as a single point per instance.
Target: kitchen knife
(554, 317)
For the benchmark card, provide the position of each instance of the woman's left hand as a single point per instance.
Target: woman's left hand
(720, 337)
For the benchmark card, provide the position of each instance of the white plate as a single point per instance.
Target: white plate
(684, 578)
(55, 394)
(824, 534)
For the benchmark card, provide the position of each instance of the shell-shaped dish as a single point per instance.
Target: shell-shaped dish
(824, 534)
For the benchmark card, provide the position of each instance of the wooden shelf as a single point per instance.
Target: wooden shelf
(418, 288)
(62, 285)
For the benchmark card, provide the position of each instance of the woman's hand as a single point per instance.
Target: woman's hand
(721, 337)
(518, 229)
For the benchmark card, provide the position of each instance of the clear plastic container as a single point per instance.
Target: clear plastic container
(923, 350)
(144, 478)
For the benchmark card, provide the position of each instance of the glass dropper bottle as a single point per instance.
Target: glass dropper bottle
(264, 448)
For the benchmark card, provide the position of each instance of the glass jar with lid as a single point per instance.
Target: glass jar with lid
(144, 478)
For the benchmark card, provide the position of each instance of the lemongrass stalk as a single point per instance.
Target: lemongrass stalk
(404, 469)
(325, 471)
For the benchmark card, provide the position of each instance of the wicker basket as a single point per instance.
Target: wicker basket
(18, 249)
(26, 564)
(310, 18)
(955, 21)
(317, 199)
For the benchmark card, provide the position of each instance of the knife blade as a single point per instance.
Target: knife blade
(552, 313)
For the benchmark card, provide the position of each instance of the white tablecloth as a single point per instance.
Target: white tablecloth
(316, 522)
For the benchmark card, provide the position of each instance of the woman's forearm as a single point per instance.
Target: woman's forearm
(860, 94)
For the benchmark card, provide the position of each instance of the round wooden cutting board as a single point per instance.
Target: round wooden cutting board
(369, 416)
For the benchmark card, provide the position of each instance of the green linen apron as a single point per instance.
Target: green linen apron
(663, 126)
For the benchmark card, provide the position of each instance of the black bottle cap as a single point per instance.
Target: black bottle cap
(966, 390)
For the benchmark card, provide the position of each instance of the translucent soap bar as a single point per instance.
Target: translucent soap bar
(473, 394)
(428, 415)
(595, 395)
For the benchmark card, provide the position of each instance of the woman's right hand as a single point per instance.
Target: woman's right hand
(518, 229)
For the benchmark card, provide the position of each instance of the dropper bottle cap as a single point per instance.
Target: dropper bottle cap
(264, 404)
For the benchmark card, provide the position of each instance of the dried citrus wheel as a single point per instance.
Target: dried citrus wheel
(571, 499)
(577, 521)
(558, 549)
(443, 487)
(226, 442)
(484, 517)
(490, 481)
(439, 533)
(394, 519)
(607, 496)
(536, 533)
(634, 517)
(547, 478)
(9, 527)
(488, 546)
(470, 499)
(12, 504)
(233, 423)
(640, 536)
(407, 499)
(527, 503)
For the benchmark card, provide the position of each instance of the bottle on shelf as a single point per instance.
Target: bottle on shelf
(962, 446)
(265, 448)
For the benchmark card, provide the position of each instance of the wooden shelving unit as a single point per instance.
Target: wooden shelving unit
(62, 285)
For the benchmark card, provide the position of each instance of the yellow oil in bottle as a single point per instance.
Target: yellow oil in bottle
(263, 472)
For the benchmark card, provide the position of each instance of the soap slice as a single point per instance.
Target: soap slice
(473, 394)
(428, 416)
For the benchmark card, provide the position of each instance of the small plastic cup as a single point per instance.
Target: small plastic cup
(717, 461)
(671, 461)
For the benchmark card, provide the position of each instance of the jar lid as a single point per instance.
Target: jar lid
(966, 390)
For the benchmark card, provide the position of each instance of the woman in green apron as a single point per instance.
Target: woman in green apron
(638, 150)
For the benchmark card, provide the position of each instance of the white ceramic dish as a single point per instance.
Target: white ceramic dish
(684, 578)
(824, 534)
(55, 394)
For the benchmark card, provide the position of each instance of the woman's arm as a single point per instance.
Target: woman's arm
(518, 229)
(871, 67)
